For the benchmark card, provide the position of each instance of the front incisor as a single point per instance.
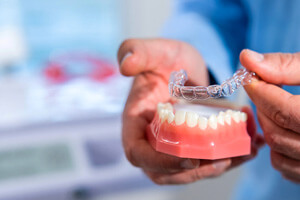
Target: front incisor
(180, 117)
(202, 122)
(213, 122)
(192, 119)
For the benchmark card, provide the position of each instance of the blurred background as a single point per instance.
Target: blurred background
(61, 98)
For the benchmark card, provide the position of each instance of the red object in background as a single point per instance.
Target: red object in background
(186, 142)
(59, 69)
(55, 72)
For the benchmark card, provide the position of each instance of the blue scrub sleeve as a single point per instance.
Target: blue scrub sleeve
(217, 28)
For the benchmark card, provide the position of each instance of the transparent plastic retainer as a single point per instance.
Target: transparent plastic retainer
(178, 79)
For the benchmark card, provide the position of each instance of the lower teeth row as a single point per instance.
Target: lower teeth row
(192, 119)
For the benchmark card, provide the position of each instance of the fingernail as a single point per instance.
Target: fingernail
(257, 57)
(126, 56)
(220, 165)
(190, 164)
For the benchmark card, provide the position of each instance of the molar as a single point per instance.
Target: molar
(163, 115)
(191, 119)
(160, 106)
(180, 117)
(166, 106)
(212, 122)
(202, 122)
(169, 107)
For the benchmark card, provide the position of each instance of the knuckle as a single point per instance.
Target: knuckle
(286, 61)
(164, 168)
(197, 175)
(281, 118)
(271, 136)
(294, 113)
(272, 139)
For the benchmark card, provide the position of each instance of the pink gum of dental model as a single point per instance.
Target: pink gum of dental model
(187, 134)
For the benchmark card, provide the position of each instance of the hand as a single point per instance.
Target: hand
(151, 62)
(278, 111)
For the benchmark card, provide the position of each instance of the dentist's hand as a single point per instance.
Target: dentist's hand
(278, 111)
(151, 62)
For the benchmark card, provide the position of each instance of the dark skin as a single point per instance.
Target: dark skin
(151, 61)
(278, 110)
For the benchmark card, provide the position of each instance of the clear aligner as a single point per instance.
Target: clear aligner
(178, 78)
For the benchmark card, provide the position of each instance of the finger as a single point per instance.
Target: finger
(291, 178)
(138, 113)
(140, 55)
(144, 156)
(285, 165)
(206, 170)
(136, 56)
(141, 154)
(259, 141)
(277, 68)
(280, 106)
(256, 144)
(237, 161)
(280, 140)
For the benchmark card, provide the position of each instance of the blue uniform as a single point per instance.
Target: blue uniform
(220, 29)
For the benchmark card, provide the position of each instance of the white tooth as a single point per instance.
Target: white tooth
(170, 117)
(220, 119)
(163, 114)
(236, 117)
(160, 106)
(243, 116)
(160, 113)
(169, 107)
(230, 112)
(202, 122)
(222, 113)
(212, 122)
(191, 119)
(228, 119)
(180, 117)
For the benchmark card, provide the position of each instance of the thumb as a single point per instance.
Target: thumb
(140, 55)
(161, 56)
(276, 68)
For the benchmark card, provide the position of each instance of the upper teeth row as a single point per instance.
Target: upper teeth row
(192, 119)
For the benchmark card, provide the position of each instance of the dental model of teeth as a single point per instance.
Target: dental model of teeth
(178, 78)
(186, 133)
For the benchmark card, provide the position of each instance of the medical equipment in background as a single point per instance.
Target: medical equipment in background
(12, 47)
(72, 65)
(79, 159)
(66, 143)
(61, 103)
